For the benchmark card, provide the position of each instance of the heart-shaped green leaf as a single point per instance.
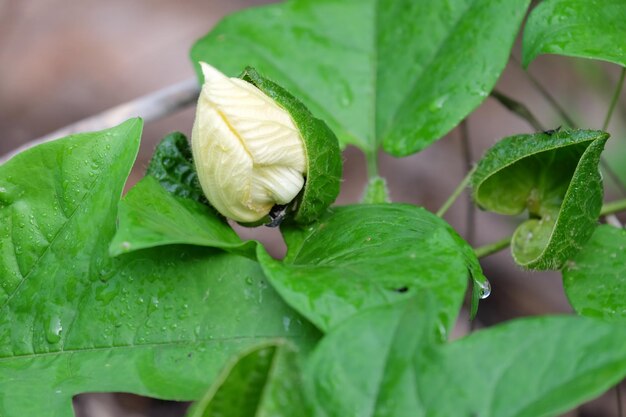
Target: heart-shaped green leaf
(159, 322)
(595, 279)
(384, 363)
(150, 216)
(579, 28)
(264, 382)
(555, 177)
(358, 257)
(397, 72)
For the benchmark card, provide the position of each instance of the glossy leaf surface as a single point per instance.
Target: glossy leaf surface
(156, 322)
(262, 383)
(555, 177)
(150, 216)
(578, 28)
(383, 363)
(397, 73)
(172, 166)
(595, 279)
(359, 257)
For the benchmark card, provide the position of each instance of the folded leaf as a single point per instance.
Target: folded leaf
(555, 177)
(398, 73)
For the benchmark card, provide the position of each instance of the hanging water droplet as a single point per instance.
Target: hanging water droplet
(484, 289)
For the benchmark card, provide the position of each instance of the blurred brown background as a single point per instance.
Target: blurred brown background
(61, 61)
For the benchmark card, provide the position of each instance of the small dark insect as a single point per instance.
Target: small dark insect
(277, 215)
(552, 131)
(402, 289)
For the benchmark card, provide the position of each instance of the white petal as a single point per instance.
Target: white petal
(249, 153)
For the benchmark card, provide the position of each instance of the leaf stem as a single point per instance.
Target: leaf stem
(371, 158)
(518, 108)
(492, 248)
(546, 94)
(620, 410)
(616, 94)
(456, 193)
(613, 207)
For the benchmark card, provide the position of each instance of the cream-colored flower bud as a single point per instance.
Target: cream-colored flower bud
(248, 152)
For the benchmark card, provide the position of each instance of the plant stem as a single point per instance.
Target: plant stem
(492, 248)
(456, 193)
(613, 207)
(546, 95)
(518, 108)
(620, 410)
(371, 158)
(466, 148)
(616, 94)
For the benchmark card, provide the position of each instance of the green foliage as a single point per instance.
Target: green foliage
(322, 149)
(385, 362)
(150, 216)
(397, 73)
(155, 294)
(158, 322)
(578, 28)
(595, 279)
(172, 166)
(555, 177)
(265, 382)
(342, 264)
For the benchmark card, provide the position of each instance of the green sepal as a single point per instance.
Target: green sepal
(323, 156)
(555, 177)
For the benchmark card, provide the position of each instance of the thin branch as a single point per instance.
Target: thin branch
(620, 409)
(546, 94)
(456, 193)
(518, 108)
(150, 107)
(492, 248)
(616, 94)
(466, 148)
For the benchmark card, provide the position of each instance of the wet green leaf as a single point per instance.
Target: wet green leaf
(150, 216)
(384, 362)
(359, 257)
(398, 73)
(265, 382)
(324, 163)
(578, 28)
(159, 322)
(172, 166)
(595, 279)
(555, 177)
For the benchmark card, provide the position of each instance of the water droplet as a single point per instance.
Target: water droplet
(249, 280)
(484, 289)
(54, 329)
(286, 323)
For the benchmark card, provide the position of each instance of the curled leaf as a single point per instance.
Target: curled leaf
(554, 177)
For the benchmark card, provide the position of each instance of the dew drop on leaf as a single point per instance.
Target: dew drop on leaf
(485, 289)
